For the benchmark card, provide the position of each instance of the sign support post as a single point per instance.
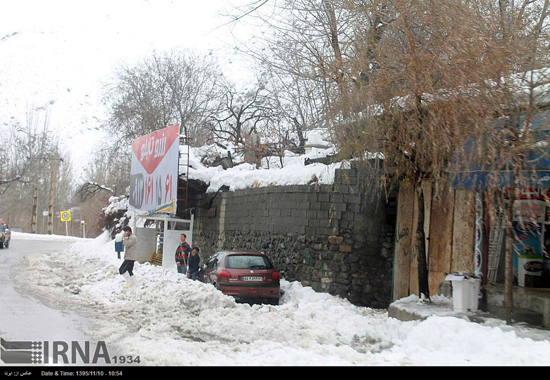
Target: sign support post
(66, 217)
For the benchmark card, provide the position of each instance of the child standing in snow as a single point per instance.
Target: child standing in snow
(130, 255)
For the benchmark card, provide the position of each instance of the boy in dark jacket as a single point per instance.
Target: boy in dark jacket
(194, 263)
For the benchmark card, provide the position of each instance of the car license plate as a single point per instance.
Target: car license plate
(252, 278)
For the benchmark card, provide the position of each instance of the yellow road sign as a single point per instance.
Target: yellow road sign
(65, 216)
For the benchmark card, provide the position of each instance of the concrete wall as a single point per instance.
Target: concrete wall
(531, 305)
(335, 238)
(147, 239)
(170, 244)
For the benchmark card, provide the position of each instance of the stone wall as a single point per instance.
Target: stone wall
(335, 238)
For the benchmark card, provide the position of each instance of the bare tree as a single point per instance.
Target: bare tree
(176, 87)
(299, 48)
(299, 104)
(241, 113)
(436, 81)
(195, 83)
(25, 143)
(26, 163)
(107, 172)
(303, 47)
(430, 87)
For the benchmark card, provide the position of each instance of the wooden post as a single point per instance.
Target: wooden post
(34, 221)
(508, 257)
(52, 190)
(423, 285)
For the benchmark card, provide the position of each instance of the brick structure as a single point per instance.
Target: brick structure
(335, 238)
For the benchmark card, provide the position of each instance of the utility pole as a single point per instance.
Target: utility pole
(52, 191)
(34, 210)
(52, 194)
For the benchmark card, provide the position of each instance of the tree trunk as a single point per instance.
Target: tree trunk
(335, 44)
(423, 284)
(508, 259)
(300, 133)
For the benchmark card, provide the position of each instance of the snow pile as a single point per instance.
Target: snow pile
(290, 169)
(246, 176)
(414, 305)
(29, 236)
(167, 319)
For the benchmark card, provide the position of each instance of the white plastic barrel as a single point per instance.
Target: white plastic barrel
(465, 292)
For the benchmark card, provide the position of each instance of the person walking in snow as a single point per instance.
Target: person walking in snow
(182, 254)
(130, 256)
(194, 264)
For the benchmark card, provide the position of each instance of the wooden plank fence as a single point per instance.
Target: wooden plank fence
(449, 229)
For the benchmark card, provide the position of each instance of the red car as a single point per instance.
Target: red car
(245, 275)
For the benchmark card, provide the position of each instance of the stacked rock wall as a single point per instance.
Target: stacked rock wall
(335, 238)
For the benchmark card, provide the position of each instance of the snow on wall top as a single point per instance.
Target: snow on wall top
(292, 170)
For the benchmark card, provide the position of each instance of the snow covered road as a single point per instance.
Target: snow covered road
(167, 319)
(25, 318)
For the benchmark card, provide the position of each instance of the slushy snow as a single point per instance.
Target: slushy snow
(167, 319)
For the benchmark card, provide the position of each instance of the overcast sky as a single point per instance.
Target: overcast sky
(60, 52)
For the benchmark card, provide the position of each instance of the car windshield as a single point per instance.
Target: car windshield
(247, 262)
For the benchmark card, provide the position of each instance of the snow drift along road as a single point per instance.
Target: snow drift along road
(167, 319)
